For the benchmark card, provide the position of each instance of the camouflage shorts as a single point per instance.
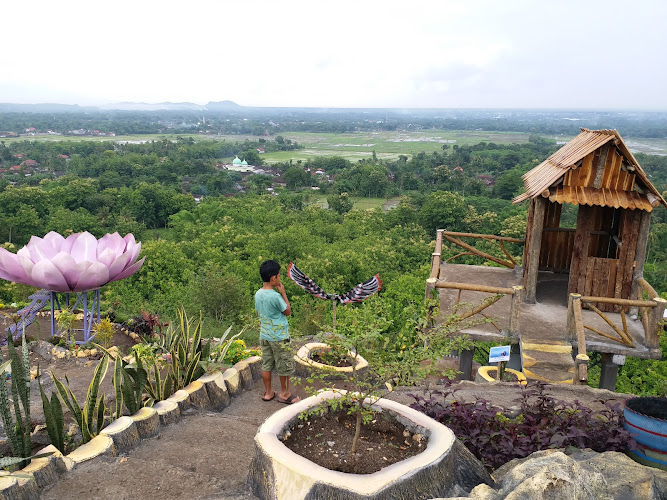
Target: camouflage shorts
(277, 355)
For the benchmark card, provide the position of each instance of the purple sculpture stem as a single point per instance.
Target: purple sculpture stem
(90, 315)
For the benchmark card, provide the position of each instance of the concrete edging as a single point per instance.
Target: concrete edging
(127, 432)
(304, 365)
(278, 473)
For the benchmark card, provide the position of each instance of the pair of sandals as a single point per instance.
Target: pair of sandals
(291, 400)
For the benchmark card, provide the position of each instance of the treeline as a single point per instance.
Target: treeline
(272, 121)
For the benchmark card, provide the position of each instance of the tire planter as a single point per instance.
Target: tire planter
(305, 366)
(445, 465)
(487, 375)
(646, 421)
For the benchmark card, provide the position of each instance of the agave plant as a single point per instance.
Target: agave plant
(90, 418)
(77, 263)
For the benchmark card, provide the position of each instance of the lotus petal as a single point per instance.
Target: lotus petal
(55, 239)
(85, 248)
(111, 241)
(130, 270)
(10, 266)
(133, 249)
(94, 277)
(107, 257)
(74, 274)
(119, 265)
(25, 261)
(46, 275)
(45, 249)
(35, 254)
(68, 267)
(69, 242)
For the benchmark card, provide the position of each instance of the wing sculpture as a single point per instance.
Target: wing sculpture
(361, 291)
(297, 276)
(357, 294)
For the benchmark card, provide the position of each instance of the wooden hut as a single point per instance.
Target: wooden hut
(604, 254)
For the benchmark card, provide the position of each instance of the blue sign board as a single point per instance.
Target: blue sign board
(498, 354)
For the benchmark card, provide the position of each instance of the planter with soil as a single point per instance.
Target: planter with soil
(487, 375)
(317, 357)
(646, 421)
(403, 454)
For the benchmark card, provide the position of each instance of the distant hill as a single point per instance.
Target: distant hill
(222, 105)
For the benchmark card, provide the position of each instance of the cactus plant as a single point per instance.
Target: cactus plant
(16, 426)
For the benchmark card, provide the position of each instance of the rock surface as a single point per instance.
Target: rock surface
(583, 475)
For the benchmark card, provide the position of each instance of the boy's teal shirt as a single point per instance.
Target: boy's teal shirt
(273, 324)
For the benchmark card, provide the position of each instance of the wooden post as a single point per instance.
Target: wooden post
(428, 295)
(640, 256)
(578, 324)
(534, 250)
(465, 363)
(571, 328)
(515, 311)
(654, 324)
(608, 373)
(580, 376)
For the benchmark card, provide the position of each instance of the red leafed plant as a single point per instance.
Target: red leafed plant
(543, 422)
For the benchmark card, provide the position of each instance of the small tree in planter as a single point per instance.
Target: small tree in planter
(362, 333)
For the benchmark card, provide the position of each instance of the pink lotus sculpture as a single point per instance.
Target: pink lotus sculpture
(77, 263)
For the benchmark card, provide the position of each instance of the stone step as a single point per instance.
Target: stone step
(551, 362)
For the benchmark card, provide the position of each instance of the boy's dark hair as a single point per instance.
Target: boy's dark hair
(267, 269)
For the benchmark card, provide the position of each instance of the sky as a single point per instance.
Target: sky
(584, 54)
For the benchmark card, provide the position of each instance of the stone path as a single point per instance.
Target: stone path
(204, 456)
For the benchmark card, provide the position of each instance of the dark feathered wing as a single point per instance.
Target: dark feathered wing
(305, 282)
(361, 291)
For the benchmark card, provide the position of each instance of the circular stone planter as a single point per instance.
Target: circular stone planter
(487, 375)
(445, 465)
(304, 365)
(646, 421)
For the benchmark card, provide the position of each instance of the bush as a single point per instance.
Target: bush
(543, 423)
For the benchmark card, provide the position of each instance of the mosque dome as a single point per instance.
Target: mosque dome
(236, 161)
(244, 163)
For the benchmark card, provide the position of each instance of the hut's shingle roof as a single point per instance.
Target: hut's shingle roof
(541, 180)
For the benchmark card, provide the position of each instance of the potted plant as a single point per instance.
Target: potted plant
(646, 421)
(339, 424)
(330, 362)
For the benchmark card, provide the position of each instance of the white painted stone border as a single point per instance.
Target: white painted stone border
(305, 363)
(294, 476)
(127, 432)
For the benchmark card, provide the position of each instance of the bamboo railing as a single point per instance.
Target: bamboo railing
(454, 237)
(652, 316)
(516, 292)
(651, 311)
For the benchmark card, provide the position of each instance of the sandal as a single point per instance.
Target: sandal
(290, 400)
(269, 399)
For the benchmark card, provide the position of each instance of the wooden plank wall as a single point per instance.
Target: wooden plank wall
(603, 168)
(599, 267)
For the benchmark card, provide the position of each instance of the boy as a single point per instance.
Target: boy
(272, 309)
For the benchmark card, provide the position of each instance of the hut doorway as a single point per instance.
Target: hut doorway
(556, 248)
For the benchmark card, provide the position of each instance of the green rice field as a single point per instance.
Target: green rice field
(355, 146)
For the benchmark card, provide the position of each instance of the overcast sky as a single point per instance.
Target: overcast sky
(442, 53)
